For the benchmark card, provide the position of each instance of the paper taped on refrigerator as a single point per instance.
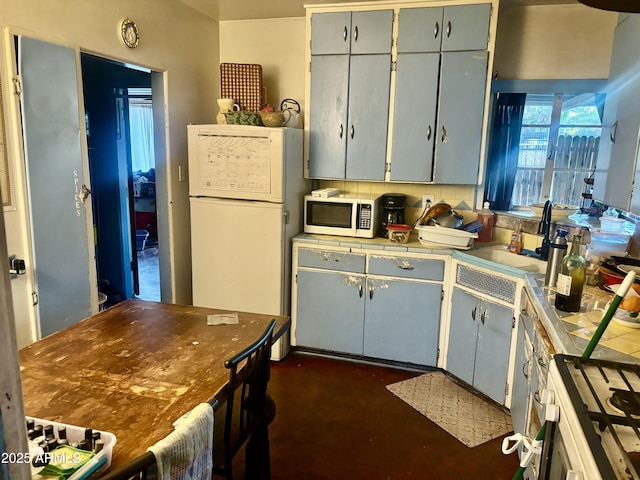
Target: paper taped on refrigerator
(236, 162)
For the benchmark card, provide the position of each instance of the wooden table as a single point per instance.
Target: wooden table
(134, 369)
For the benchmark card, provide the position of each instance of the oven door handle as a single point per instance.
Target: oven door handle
(530, 447)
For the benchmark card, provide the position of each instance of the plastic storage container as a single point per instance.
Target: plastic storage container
(444, 237)
(399, 233)
(76, 434)
(607, 243)
(611, 224)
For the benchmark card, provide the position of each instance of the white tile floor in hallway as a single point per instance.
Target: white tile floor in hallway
(149, 274)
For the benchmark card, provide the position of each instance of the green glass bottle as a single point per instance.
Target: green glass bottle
(571, 279)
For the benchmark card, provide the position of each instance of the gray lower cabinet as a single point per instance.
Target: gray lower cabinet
(390, 319)
(372, 315)
(402, 320)
(479, 343)
(330, 308)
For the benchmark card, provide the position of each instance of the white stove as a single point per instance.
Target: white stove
(597, 433)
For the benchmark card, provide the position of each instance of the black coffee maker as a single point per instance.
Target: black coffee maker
(392, 211)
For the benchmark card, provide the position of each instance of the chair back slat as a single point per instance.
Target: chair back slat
(246, 399)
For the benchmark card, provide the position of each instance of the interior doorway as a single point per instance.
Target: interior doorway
(118, 104)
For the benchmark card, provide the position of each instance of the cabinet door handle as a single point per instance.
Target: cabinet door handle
(448, 29)
(405, 266)
(429, 133)
(345, 33)
(483, 316)
(525, 367)
(352, 131)
(473, 313)
(612, 132)
(443, 137)
(542, 363)
(370, 293)
(360, 290)
(341, 132)
(436, 30)
(355, 34)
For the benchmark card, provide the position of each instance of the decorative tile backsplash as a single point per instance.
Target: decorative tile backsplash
(460, 197)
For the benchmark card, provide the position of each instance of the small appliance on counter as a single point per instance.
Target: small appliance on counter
(344, 215)
(392, 205)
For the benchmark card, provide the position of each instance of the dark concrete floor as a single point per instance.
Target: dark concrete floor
(336, 420)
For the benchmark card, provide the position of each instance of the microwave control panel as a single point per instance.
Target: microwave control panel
(364, 216)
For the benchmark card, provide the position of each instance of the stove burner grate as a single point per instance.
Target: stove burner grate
(628, 402)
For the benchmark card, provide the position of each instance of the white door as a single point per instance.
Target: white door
(55, 171)
(237, 251)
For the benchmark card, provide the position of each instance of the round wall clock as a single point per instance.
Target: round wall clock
(129, 32)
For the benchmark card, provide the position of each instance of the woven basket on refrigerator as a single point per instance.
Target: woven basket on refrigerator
(243, 83)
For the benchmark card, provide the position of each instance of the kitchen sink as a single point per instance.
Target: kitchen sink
(500, 254)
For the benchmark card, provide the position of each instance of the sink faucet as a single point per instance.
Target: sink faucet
(543, 229)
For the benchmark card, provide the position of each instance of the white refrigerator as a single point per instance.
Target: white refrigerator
(246, 188)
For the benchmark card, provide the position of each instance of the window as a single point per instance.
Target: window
(558, 148)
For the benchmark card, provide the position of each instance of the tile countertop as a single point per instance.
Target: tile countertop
(571, 332)
(492, 256)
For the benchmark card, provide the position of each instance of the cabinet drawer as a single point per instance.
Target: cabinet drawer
(331, 260)
(406, 267)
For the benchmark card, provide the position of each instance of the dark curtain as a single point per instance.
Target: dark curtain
(502, 162)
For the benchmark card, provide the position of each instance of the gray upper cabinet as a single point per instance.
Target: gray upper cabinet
(466, 27)
(439, 97)
(328, 116)
(462, 100)
(369, 82)
(419, 29)
(331, 33)
(440, 132)
(349, 104)
(355, 33)
(448, 29)
(371, 32)
(414, 117)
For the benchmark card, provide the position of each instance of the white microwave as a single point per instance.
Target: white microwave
(345, 216)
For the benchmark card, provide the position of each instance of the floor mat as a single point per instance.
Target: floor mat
(467, 417)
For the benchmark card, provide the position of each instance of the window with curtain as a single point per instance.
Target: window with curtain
(543, 146)
(141, 129)
(558, 148)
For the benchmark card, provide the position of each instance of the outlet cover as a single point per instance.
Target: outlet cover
(430, 199)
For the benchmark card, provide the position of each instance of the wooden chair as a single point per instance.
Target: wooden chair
(246, 411)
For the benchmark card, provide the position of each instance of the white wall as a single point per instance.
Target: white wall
(174, 39)
(277, 45)
(554, 42)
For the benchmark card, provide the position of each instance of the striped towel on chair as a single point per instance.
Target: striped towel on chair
(186, 453)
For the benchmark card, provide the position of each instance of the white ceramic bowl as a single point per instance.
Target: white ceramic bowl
(560, 211)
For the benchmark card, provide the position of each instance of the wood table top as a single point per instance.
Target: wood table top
(134, 369)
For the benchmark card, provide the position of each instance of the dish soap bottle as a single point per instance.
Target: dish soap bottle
(571, 279)
(485, 217)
